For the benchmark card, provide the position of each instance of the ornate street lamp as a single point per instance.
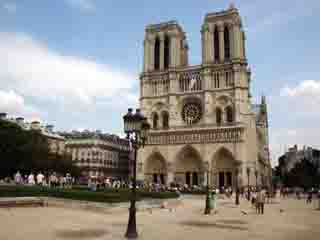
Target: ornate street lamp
(207, 210)
(256, 174)
(248, 174)
(136, 127)
(237, 186)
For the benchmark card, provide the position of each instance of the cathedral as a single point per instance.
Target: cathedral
(203, 124)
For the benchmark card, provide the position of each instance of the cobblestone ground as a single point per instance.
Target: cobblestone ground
(288, 219)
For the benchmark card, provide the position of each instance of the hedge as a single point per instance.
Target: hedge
(122, 195)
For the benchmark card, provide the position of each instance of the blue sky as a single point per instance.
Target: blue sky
(75, 63)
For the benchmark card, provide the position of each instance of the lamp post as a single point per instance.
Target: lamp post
(248, 174)
(237, 187)
(256, 174)
(136, 127)
(207, 210)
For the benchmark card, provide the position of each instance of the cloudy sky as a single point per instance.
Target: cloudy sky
(75, 63)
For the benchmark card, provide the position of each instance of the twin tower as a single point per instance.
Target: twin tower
(222, 36)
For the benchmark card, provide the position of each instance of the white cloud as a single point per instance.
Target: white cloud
(67, 90)
(32, 68)
(10, 7)
(14, 105)
(296, 116)
(305, 96)
(84, 5)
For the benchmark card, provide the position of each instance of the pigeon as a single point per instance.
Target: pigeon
(243, 212)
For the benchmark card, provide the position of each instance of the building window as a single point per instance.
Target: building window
(226, 43)
(166, 52)
(157, 54)
(216, 44)
(229, 114)
(155, 120)
(165, 119)
(218, 116)
(229, 79)
(216, 80)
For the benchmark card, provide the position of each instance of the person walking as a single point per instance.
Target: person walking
(31, 180)
(309, 196)
(261, 198)
(40, 178)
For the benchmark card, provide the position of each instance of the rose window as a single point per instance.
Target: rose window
(191, 113)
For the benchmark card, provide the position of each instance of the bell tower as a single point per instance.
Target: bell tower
(223, 39)
(164, 47)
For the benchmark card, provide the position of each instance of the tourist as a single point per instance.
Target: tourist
(309, 196)
(254, 199)
(40, 178)
(261, 197)
(18, 178)
(31, 180)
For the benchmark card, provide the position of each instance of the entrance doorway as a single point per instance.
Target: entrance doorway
(229, 179)
(221, 179)
(155, 178)
(188, 178)
(195, 178)
(162, 178)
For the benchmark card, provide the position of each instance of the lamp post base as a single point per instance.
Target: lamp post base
(207, 210)
(132, 228)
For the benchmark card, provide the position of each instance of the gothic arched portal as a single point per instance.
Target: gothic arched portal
(156, 168)
(188, 166)
(223, 169)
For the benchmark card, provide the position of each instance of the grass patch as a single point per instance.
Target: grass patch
(108, 195)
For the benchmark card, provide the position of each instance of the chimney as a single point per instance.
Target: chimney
(49, 128)
(35, 125)
(3, 116)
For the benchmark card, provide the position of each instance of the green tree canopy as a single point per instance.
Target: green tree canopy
(27, 151)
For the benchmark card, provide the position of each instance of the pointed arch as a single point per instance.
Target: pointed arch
(166, 52)
(226, 34)
(223, 168)
(216, 44)
(157, 54)
(189, 166)
(155, 168)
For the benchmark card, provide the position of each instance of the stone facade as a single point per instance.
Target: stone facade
(202, 118)
(99, 155)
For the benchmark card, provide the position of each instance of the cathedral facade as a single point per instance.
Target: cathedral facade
(203, 124)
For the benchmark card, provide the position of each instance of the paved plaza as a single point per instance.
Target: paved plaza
(287, 219)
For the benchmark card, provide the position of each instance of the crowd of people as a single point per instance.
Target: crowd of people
(257, 195)
(39, 179)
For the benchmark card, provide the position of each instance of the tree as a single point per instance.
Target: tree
(304, 174)
(28, 151)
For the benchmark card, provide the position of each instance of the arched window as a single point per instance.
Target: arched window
(155, 120)
(226, 43)
(157, 54)
(229, 113)
(165, 119)
(216, 44)
(218, 116)
(166, 52)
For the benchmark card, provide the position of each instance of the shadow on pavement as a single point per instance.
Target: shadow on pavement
(80, 233)
(201, 224)
(231, 221)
